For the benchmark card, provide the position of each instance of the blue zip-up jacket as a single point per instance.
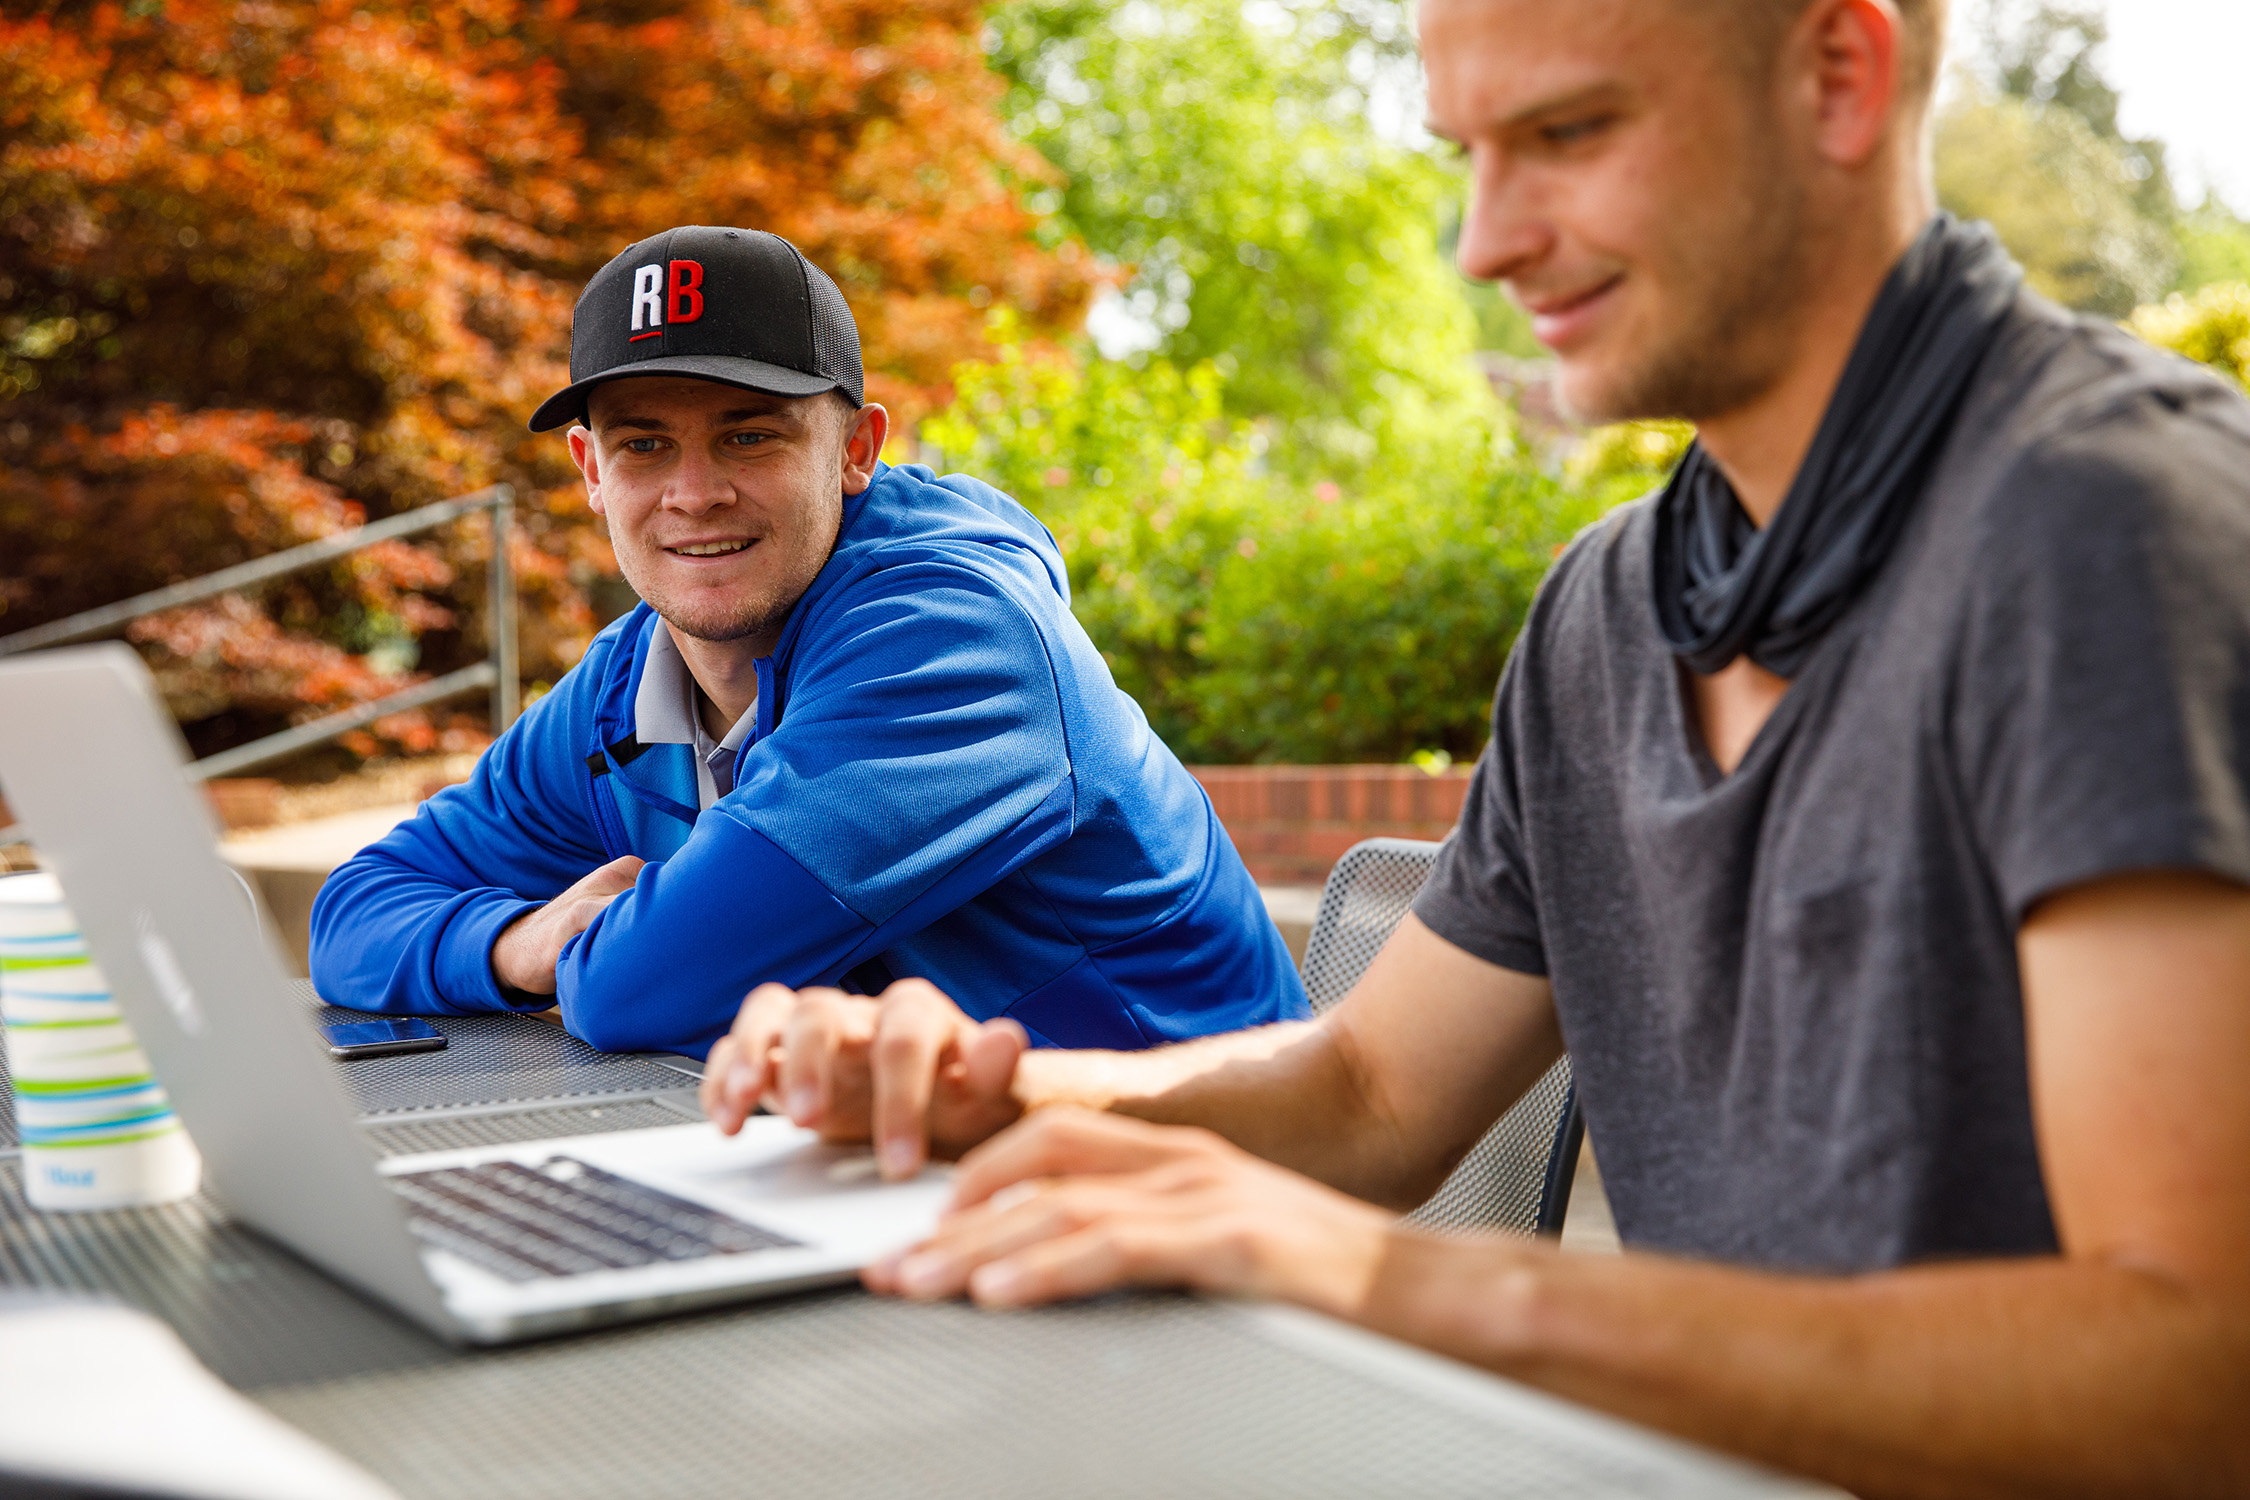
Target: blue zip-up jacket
(943, 782)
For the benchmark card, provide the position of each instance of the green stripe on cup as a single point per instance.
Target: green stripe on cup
(38, 1088)
(114, 1140)
(22, 965)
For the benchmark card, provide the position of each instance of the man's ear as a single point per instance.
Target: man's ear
(1855, 55)
(863, 446)
(588, 457)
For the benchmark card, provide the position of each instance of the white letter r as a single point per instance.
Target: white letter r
(648, 297)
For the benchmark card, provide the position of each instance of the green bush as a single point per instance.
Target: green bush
(1373, 625)
(1143, 481)
(1256, 616)
(2211, 327)
(1623, 462)
(2063, 198)
(2214, 246)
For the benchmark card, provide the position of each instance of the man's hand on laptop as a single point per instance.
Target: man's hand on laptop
(525, 953)
(1073, 1202)
(910, 1071)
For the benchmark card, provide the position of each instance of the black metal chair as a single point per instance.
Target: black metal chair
(1518, 1177)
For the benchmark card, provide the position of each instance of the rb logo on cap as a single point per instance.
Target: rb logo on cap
(649, 297)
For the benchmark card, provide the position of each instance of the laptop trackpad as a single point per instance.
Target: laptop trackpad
(779, 1176)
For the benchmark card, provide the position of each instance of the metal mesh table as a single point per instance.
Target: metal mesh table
(501, 1078)
(832, 1394)
(839, 1394)
(497, 1059)
(506, 1078)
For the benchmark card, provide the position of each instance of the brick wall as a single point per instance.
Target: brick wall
(1292, 822)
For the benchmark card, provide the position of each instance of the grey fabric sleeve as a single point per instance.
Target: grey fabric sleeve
(2102, 722)
(1478, 896)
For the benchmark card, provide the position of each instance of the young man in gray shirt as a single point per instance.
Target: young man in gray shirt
(1868, 812)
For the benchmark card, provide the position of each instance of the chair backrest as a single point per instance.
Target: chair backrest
(1518, 1177)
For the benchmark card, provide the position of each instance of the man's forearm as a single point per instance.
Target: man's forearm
(2032, 1377)
(1096, 1079)
(387, 936)
(1286, 1092)
(1375, 1098)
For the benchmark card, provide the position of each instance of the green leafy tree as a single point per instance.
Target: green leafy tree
(2049, 55)
(268, 269)
(1226, 155)
(2065, 200)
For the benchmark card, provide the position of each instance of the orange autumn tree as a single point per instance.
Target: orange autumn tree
(269, 268)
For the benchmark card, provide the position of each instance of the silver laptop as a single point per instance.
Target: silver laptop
(486, 1245)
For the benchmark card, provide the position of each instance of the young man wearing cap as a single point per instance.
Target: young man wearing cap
(1868, 812)
(852, 736)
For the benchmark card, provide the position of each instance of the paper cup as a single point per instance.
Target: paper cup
(32, 910)
(97, 1129)
(159, 1168)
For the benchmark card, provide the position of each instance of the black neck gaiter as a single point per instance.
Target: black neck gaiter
(1724, 588)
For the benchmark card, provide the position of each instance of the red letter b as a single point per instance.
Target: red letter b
(687, 302)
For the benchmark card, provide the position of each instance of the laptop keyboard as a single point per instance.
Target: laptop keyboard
(564, 1217)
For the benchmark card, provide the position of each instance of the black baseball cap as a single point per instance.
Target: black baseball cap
(738, 306)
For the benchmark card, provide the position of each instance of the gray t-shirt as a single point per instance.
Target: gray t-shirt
(1791, 993)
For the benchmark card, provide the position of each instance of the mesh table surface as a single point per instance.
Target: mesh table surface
(490, 1063)
(251, 1311)
(833, 1394)
(1502, 1182)
(495, 1059)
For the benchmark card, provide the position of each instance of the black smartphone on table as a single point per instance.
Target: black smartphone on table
(380, 1038)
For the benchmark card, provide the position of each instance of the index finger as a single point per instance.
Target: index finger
(735, 1075)
(710, 1091)
(811, 1039)
(911, 1031)
(1066, 1141)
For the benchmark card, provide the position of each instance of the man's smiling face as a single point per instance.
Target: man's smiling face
(723, 504)
(1627, 184)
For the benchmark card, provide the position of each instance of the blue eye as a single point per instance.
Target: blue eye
(641, 445)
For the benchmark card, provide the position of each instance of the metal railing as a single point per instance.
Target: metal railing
(497, 671)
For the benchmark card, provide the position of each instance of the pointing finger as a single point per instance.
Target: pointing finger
(910, 1037)
(808, 1054)
(758, 1029)
(716, 1100)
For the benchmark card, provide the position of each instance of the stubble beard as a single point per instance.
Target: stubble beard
(1736, 298)
(716, 627)
(738, 619)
